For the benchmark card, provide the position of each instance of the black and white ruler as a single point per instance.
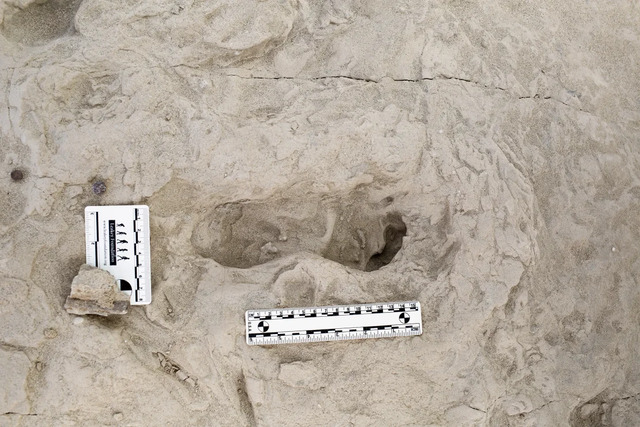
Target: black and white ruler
(330, 323)
(117, 240)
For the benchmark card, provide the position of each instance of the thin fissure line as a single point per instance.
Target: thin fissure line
(436, 78)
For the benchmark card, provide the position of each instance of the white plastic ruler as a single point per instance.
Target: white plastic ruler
(329, 323)
(117, 240)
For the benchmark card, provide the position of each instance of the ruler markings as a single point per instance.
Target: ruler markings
(125, 250)
(280, 326)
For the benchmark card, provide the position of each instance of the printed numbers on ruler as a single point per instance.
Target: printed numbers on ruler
(330, 323)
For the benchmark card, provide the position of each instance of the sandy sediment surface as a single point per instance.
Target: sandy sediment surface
(480, 157)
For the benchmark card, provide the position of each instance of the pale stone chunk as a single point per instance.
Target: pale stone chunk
(94, 291)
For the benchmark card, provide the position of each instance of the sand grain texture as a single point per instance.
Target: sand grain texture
(481, 158)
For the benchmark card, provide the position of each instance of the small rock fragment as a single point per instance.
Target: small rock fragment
(50, 333)
(269, 249)
(181, 375)
(17, 175)
(95, 291)
(171, 367)
(118, 416)
(99, 187)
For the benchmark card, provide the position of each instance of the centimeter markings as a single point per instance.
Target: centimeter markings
(117, 240)
(329, 323)
(91, 229)
(142, 269)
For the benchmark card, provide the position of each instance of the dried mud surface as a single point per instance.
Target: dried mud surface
(480, 157)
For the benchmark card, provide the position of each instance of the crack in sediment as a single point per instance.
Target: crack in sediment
(439, 77)
(19, 414)
(539, 407)
(7, 93)
(628, 397)
(14, 347)
(537, 96)
(476, 409)
(370, 80)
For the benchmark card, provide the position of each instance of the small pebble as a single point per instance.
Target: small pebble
(99, 187)
(50, 333)
(39, 366)
(78, 320)
(269, 249)
(118, 416)
(17, 175)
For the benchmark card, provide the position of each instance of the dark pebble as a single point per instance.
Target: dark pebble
(99, 187)
(17, 175)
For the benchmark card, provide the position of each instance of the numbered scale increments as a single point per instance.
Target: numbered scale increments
(331, 323)
(117, 240)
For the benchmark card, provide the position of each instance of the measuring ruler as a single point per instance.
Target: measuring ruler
(330, 323)
(117, 240)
